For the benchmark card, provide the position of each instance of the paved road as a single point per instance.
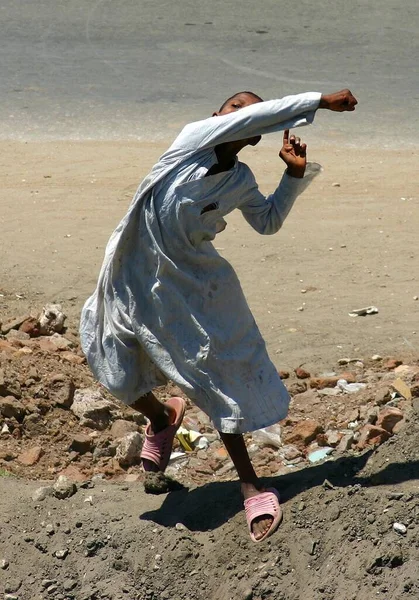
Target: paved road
(140, 68)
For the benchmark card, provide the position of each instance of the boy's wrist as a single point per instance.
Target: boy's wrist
(296, 172)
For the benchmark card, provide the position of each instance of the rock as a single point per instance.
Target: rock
(372, 435)
(13, 324)
(61, 392)
(121, 428)
(4, 564)
(330, 391)
(298, 387)
(376, 357)
(69, 584)
(12, 586)
(290, 452)
(320, 383)
(402, 389)
(31, 327)
(346, 442)
(73, 474)
(81, 443)
(304, 432)
(333, 437)
(348, 376)
(392, 363)
(127, 453)
(414, 390)
(63, 488)
(15, 334)
(60, 342)
(30, 457)
(61, 554)
(92, 408)
(72, 358)
(52, 319)
(283, 374)
(382, 396)
(42, 493)
(301, 373)
(9, 387)
(400, 528)
(11, 408)
(389, 417)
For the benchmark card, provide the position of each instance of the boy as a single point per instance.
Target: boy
(167, 306)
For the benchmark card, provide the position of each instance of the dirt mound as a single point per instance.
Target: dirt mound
(345, 461)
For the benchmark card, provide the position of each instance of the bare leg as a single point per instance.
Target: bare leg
(250, 484)
(158, 413)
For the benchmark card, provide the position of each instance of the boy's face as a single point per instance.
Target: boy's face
(236, 103)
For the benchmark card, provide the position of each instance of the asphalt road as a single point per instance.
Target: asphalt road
(139, 69)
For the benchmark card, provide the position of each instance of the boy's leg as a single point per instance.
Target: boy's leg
(250, 484)
(160, 416)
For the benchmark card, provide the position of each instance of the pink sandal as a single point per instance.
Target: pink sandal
(266, 503)
(157, 447)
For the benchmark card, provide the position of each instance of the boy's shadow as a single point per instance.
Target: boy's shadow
(207, 507)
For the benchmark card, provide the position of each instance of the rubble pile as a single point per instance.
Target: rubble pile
(55, 420)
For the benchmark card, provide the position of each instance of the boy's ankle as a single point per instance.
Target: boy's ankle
(162, 421)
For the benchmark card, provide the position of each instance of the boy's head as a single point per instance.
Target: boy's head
(238, 101)
(234, 103)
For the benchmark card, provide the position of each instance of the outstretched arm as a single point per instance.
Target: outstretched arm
(261, 118)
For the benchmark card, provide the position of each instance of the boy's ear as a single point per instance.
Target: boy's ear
(215, 114)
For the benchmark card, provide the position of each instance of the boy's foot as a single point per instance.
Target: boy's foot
(261, 525)
(158, 443)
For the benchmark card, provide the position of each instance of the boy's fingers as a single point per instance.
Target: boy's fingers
(303, 150)
(286, 136)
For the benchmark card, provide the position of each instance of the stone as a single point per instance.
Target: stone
(64, 488)
(348, 376)
(93, 409)
(42, 493)
(9, 387)
(69, 584)
(283, 374)
(290, 452)
(61, 392)
(400, 528)
(371, 435)
(129, 448)
(298, 387)
(320, 383)
(72, 358)
(61, 554)
(60, 342)
(31, 327)
(304, 432)
(81, 443)
(346, 442)
(4, 564)
(392, 363)
(414, 390)
(12, 408)
(73, 474)
(333, 437)
(301, 373)
(402, 388)
(15, 334)
(120, 428)
(389, 417)
(12, 586)
(13, 324)
(52, 319)
(30, 457)
(382, 396)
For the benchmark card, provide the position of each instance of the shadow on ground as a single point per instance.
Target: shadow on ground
(208, 507)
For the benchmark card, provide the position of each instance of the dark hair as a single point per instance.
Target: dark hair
(238, 94)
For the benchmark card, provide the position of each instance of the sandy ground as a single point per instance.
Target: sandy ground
(348, 246)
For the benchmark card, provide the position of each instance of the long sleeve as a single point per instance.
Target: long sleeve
(253, 120)
(267, 214)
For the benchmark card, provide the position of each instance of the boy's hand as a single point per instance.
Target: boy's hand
(294, 155)
(339, 101)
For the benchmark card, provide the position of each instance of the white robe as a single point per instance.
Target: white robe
(167, 305)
